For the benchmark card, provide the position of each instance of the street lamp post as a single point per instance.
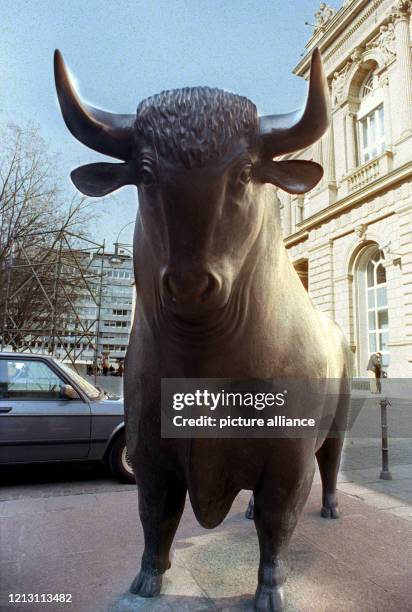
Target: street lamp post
(116, 244)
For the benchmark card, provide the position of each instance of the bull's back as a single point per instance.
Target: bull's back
(339, 354)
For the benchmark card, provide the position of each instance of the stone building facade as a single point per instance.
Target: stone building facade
(350, 238)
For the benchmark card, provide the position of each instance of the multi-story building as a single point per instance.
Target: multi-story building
(350, 238)
(109, 316)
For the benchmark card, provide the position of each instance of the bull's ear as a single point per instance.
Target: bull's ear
(294, 175)
(98, 180)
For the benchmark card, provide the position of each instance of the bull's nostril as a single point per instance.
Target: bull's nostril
(186, 288)
(204, 286)
(171, 287)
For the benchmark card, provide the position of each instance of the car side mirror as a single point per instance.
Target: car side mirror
(68, 392)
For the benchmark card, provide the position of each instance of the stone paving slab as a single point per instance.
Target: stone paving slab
(372, 474)
(90, 545)
(390, 496)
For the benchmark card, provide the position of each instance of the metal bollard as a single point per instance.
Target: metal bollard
(385, 473)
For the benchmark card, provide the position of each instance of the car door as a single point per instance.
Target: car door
(37, 422)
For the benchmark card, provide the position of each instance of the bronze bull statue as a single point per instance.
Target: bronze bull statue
(217, 297)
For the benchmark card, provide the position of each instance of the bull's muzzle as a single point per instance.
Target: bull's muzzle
(190, 288)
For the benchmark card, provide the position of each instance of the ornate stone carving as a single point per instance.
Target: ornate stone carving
(338, 85)
(390, 256)
(385, 42)
(401, 9)
(356, 55)
(360, 231)
(323, 16)
(384, 80)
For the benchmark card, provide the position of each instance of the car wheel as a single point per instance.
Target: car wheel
(119, 461)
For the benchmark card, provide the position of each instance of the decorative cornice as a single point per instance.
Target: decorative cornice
(346, 22)
(295, 238)
(353, 199)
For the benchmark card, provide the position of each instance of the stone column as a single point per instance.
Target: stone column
(296, 212)
(299, 203)
(400, 13)
(329, 156)
(387, 111)
(292, 215)
(287, 215)
(321, 276)
(317, 152)
(351, 147)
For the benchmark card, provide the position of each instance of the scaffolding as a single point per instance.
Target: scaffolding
(52, 300)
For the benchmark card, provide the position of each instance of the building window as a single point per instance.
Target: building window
(372, 134)
(371, 306)
(369, 85)
(370, 119)
(377, 306)
(118, 312)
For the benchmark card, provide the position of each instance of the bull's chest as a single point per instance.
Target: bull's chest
(216, 470)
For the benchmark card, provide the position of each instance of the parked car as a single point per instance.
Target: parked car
(50, 413)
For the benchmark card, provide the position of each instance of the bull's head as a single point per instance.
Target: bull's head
(200, 158)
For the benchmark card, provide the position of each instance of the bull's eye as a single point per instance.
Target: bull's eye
(245, 176)
(147, 177)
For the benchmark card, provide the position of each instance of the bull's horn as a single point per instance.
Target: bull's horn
(281, 134)
(104, 132)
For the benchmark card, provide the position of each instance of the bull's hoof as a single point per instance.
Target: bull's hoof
(331, 512)
(330, 506)
(146, 584)
(249, 514)
(269, 599)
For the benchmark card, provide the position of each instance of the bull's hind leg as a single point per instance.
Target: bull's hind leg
(329, 454)
(160, 508)
(277, 507)
(328, 457)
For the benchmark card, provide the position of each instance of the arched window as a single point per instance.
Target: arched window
(371, 120)
(369, 85)
(377, 305)
(372, 306)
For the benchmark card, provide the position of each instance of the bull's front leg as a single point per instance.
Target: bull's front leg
(277, 507)
(161, 503)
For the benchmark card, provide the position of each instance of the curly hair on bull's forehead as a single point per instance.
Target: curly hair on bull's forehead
(194, 124)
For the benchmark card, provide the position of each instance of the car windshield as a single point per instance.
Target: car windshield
(85, 386)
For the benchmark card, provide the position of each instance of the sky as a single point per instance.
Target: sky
(122, 51)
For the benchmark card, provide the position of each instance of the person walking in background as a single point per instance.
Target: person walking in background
(374, 370)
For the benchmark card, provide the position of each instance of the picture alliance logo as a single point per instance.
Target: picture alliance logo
(227, 399)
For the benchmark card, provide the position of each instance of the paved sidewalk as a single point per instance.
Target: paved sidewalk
(390, 496)
(90, 545)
